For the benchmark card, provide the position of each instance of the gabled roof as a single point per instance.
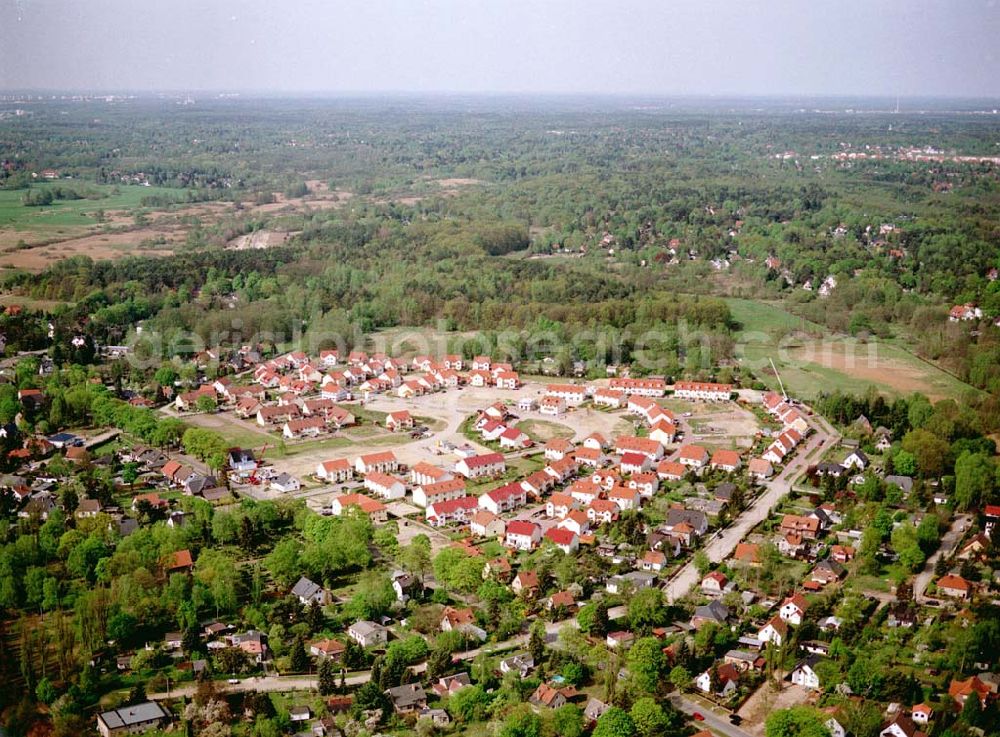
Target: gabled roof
(521, 527)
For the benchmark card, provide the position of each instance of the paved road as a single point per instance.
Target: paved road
(721, 545)
(265, 683)
(307, 683)
(949, 541)
(716, 723)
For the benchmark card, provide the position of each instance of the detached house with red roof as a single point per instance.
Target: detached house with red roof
(954, 586)
(793, 609)
(962, 690)
(564, 539)
(401, 420)
(514, 439)
(726, 460)
(522, 535)
(693, 456)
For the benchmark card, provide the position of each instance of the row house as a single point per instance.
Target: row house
(562, 470)
(423, 473)
(560, 504)
(306, 427)
(646, 446)
(557, 449)
(504, 499)
(384, 485)
(611, 398)
(424, 495)
(652, 387)
(706, 391)
(784, 444)
(508, 380)
(459, 510)
(335, 471)
(277, 414)
(481, 466)
(572, 394)
(552, 406)
(538, 483)
(487, 524)
(382, 462)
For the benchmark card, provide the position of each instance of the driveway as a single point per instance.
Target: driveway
(715, 722)
(949, 543)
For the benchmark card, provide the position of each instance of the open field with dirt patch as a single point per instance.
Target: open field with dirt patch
(100, 246)
(810, 360)
(107, 227)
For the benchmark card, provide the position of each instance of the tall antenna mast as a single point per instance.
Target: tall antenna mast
(897, 104)
(780, 384)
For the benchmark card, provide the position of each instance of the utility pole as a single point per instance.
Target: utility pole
(780, 384)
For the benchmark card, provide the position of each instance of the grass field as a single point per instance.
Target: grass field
(811, 360)
(542, 431)
(69, 213)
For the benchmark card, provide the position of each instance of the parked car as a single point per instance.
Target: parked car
(698, 716)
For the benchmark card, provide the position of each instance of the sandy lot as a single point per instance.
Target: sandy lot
(765, 700)
(721, 425)
(259, 239)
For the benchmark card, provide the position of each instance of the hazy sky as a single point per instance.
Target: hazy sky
(872, 47)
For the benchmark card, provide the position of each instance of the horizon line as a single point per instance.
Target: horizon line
(293, 94)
